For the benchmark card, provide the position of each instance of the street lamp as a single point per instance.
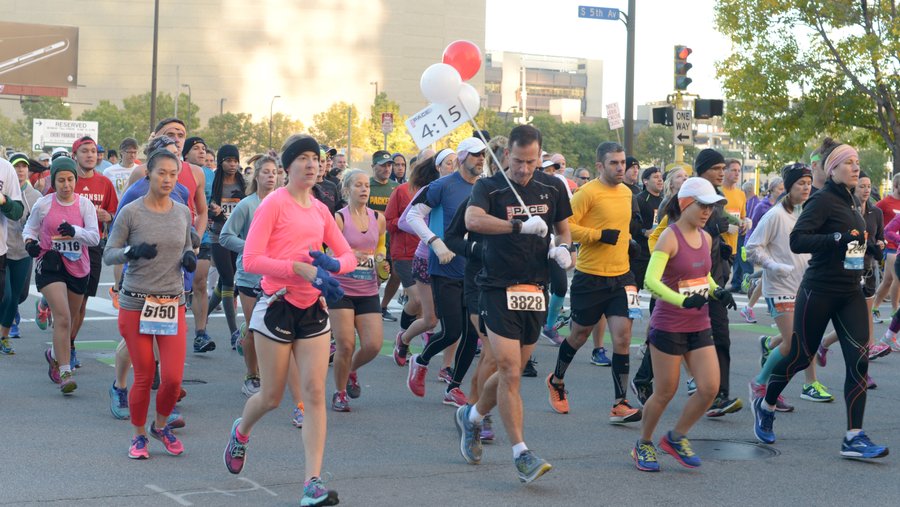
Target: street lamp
(222, 106)
(271, 105)
(376, 88)
(189, 102)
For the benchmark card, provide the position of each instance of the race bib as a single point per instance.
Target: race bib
(696, 286)
(70, 248)
(159, 316)
(853, 259)
(365, 268)
(228, 206)
(784, 304)
(634, 302)
(525, 298)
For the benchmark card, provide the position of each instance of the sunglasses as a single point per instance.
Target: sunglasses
(705, 207)
(583, 177)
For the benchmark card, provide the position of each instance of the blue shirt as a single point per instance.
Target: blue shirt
(180, 194)
(444, 196)
(209, 174)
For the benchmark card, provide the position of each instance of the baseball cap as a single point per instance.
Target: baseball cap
(15, 158)
(630, 161)
(699, 189)
(381, 157)
(550, 163)
(101, 149)
(471, 145)
(44, 156)
(330, 152)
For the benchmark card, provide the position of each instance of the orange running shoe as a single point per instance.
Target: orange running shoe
(558, 400)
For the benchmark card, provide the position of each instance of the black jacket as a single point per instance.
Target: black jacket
(833, 209)
(648, 204)
(721, 253)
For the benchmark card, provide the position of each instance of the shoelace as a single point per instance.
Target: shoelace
(560, 391)
(647, 452)
(122, 397)
(139, 442)
(863, 439)
(316, 486)
(685, 447)
(238, 448)
(166, 432)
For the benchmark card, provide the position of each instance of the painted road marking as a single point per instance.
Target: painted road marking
(180, 497)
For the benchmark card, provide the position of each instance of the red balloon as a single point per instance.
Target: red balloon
(464, 56)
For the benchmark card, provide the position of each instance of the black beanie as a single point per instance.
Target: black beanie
(792, 173)
(226, 151)
(293, 150)
(189, 143)
(706, 159)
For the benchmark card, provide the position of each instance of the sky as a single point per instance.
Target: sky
(554, 28)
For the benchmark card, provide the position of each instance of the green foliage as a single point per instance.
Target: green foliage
(250, 137)
(397, 141)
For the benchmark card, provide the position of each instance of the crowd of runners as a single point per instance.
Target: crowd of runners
(482, 244)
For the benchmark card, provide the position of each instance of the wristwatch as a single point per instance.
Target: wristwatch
(516, 225)
(126, 250)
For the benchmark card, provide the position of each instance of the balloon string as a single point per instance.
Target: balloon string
(494, 156)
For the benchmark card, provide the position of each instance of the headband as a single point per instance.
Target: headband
(439, 159)
(838, 156)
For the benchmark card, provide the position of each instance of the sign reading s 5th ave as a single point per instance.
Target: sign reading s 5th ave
(60, 132)
(607, 13)
(684, 131)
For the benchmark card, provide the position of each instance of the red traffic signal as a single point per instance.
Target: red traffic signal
(682, 67)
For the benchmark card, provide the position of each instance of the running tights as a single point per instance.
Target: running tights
(450, 310)
(225, 261)
(812, 312)
(17, 274)
(172, 350)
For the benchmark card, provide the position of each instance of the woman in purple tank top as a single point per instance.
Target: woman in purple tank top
(359, 311)
(678, 275)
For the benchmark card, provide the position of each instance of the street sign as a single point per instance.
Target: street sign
(606, 13)
(387, 123)
(64, 133)
(434, 122)
(684, 131)
(613, 116)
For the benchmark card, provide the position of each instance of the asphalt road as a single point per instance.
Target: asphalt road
(395, 449)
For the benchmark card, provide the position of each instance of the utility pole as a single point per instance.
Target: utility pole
(177, 87)
(629, 80)
(349, 133)
(153, 71)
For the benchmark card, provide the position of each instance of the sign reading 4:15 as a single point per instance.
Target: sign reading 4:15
(434, 122)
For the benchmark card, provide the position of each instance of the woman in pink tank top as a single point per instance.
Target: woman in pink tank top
(359, 311)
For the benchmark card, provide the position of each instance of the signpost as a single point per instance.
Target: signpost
(586, 11)
(614, 118)
(684, 132)
(60, 132)
(387, 126)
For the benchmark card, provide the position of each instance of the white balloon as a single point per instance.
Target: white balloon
(440, 83)
(470, 99)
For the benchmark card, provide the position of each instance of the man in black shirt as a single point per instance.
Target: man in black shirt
(326, 191)
(632, 172)
(648, 204)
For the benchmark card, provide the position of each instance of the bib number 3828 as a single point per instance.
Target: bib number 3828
(525, 298)
(159, 316)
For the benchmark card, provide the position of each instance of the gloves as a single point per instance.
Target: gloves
(846, 239)
(875, 252)
(725, 252)
(33, 248)
(610, 236)
(329, 287)
(634, 249)
(145, 250)
(189, 261)
(694, 301)
(66, 229)
(779, 268)
(723, 296)
(443, 253)
(561, 255)
(217, 218)
(535, 225)
(324, 261)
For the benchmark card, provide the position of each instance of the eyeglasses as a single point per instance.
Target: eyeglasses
(477, 153)
(705, 207)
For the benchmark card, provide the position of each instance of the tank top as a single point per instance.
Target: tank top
(686, 273)
(363, 281)
(74, 254)
(186, 178)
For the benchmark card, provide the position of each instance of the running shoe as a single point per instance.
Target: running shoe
(454, 397)
(469, 435)
(680, 450)
(251, 385)
(642, 390)
(14, 328)
(816, 392)
(529, 370)
(781, 405)
(691, 386)
(175, 420)
(118, 402)
(53, 366)
(876, 316)
(764, 347)
(353, 387)
(644, 455)
(745, 284)
(114, 297)
(235, 451)
(403, 298)
(401, 350)
(43, 316)
(563, 320)
(67, 382)
(599, 357)
(552, 335)
(487, 429)
(297, 416)
(558, 398)
(861, 447)
(387, 316)
(762, 422)
(757, 391)
(170, 441)
(6, 347)
(445, 375)
(339, 402)
(723, 405)
(74, 363)
(239, 346)
(315, 494)
(822, 356)
(870, 383)
(138, 448)
(415, 380)
(622, 412)
(877, 350)
(748, 314)
(235, 336)
(203, 343)
(890, 341)
(530, 466)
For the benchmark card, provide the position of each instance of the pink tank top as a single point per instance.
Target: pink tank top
(74, 253)
(362, 281)
(685, 273)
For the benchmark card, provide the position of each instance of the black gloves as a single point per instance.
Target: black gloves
(66, 229)
(694, 301)
(725, 251)
(33, 248)
(610, 236)
(875, 252)
(217, 218)
(634, 250)
(189, 261)
(846, 239)
(723, 296)
(143, 250)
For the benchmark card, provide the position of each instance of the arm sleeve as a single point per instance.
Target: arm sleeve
(402, 223)
(415, 217)
(581, 203)
(660, 227)
(115, 244)
(230, 235)
(188, 244)
(90, 233)
(805, 237)
(653, 279)
(381, 248)
(637, 222)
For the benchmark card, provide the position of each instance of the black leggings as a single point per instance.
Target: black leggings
(450, 310)
(559, 282)
(848, 313)
(225, 261)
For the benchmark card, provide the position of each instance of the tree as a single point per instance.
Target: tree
(654, 146)
(114, 125)
(330, 127)
(397, 141)
(799, 65)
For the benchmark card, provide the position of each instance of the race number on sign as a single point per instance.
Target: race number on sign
(159, 316)
(525, 298)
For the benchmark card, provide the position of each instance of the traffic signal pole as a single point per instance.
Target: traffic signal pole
(629, 79)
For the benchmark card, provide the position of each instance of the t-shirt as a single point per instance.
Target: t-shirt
(890, 207)
(103, 165)
(597, 206)
(444, 196)
(119, 175)
(736, 207)
(9, 185)
(100, 191)
(380, 193)
(511, 259)
(141, 187)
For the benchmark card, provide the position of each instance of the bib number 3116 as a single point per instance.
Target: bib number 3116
(159, 316)
(525, 298)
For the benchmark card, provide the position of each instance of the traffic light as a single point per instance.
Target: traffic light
(682, 67)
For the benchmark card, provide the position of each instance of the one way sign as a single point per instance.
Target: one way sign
(684, 132)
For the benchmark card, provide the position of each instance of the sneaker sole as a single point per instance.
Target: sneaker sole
(462, 441)
(546, 467)
(641, 467)
(667, 448)
(453, 403)
(857, 455)
(635, 417)
(68, 388)
(600, 364)
(550, 399)
(139, 456)
(814, 399)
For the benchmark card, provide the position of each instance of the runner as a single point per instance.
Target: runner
(679, 276)
(15, 263)
(445, 161)
(381, 187)
(559, 281)
(775, 188)
(61, 225)
(399, 172)
(832, 230)
(197, 153)
(357, 313)
(153, 235)
(890, 208)
(513, 300)
(120, 173)
(287, 229)
(648, 202)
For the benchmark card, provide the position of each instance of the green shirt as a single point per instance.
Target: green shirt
(380, 193)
